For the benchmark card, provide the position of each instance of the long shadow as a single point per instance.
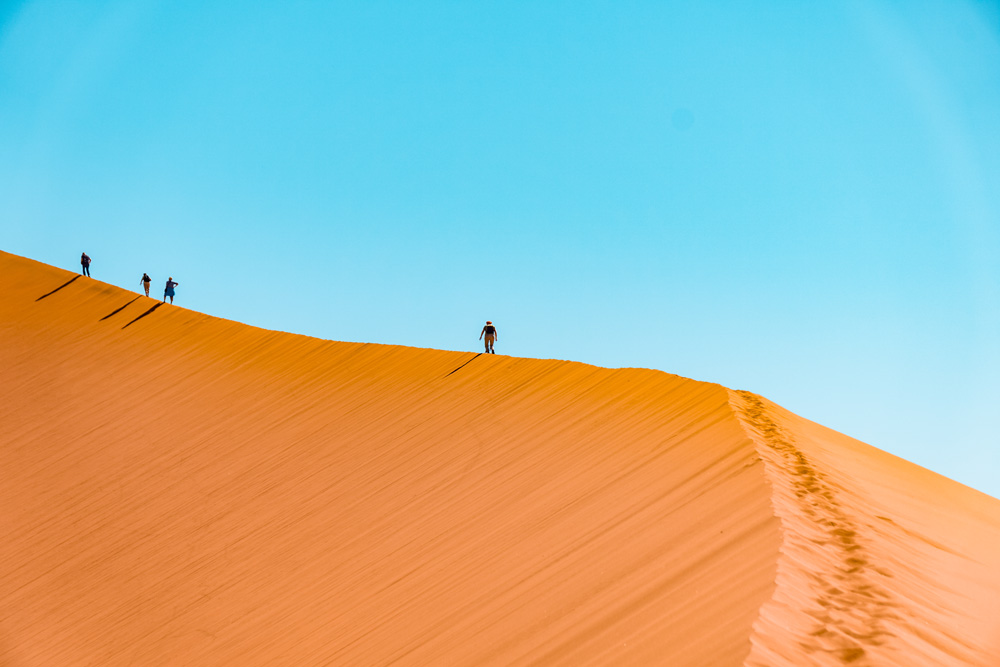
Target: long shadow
(57, 289)
(115, 312)
(143, 315)
(466, 363)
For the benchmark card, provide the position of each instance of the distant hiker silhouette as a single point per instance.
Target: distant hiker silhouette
(145, 280)
(490, 332)
(85, 264)
(169, 290)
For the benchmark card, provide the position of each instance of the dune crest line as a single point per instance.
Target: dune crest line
(840, 603)
(881, 562)
(200, 491)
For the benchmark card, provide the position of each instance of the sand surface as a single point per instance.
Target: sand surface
(178, 489)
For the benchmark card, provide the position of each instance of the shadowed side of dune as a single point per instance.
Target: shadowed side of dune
(189, 490)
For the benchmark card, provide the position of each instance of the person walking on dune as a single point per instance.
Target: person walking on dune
(145, 280)
(85, 264)
(169, 290)
(490, 332)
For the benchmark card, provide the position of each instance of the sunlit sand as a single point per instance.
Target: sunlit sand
(181, 489)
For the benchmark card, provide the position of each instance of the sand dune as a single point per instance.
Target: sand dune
(180, 489)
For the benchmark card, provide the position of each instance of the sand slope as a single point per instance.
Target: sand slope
(180, 489)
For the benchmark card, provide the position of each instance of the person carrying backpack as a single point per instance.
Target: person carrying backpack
(145, 280)
(85, 264)
(490, 332)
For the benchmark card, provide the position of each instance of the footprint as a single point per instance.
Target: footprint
(851, 654)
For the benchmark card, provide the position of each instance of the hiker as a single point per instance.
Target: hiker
(490, 332)
(145, 280)
(85, 263)
(169, 291)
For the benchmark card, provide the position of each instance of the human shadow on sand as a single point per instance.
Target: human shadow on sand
(57, 289)
(142, 316)
(466, 363)
(115, 312)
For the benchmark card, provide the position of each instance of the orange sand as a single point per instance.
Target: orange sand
(180, 489)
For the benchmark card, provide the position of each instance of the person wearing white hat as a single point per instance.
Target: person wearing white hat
(490, 332)
(169, 289)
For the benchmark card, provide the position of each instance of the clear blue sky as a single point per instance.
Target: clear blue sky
(801, 199)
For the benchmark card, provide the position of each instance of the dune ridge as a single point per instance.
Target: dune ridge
(181, 489)
(847, 614)
(854, 585)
